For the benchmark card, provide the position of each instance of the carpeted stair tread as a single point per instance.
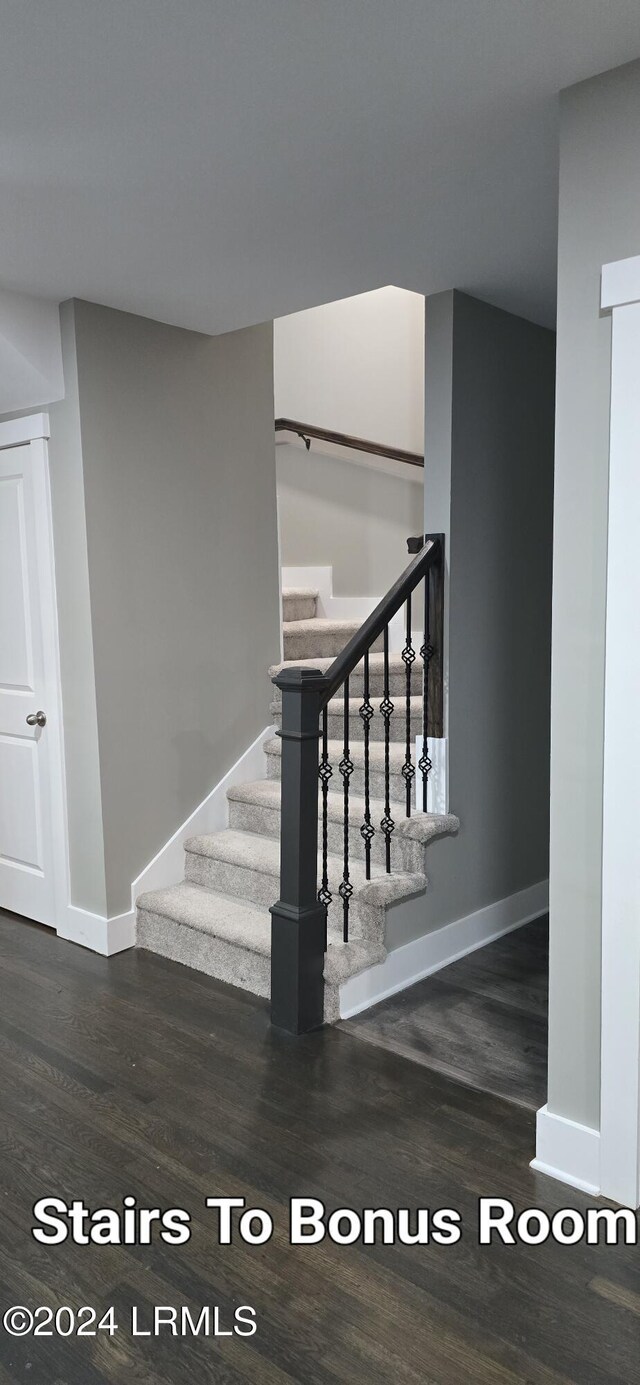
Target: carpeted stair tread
(318, 625)
(299, 603)
(234, 854)
(323, 663)
(397, 722)
(335, 751)
(241, 924)
(397, 682)
(420, 827)
(335, 707)
(236, 920)
(262, 854)
(301, 639)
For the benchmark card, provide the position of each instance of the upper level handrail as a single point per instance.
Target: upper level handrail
(307, 431)
(373, 626)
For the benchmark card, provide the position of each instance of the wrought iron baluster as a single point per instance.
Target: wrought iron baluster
(367, 831)
(426, 654)
(386, 707)
(345, 889)
(325, 773)
(408, 655)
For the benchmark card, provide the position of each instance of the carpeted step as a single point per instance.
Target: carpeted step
(248, 866)
(299, 603)
(230, 939)
(397, 791)
(356, 680)
(255, 807)
(308, 639)
(397, 721)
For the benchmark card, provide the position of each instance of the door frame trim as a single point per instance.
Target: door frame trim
(32, 428)
(33, 432)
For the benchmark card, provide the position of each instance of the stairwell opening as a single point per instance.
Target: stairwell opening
(482, 1020)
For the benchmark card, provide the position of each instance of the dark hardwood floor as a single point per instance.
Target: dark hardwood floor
(136, 1076)
(481, 1021)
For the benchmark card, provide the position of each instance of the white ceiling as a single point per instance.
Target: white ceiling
(219, 162)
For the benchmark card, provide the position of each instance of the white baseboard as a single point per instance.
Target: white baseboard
(112, 935)
(406, 965)
(106, 936)
(567, 1151)
(333, 607)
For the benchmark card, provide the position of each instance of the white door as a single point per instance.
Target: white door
(30, 745)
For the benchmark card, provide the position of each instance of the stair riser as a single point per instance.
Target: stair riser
(249, 971)
(397, 727)
(298, 608)
(397, 792)
(405, 855)
(321, 644)
(228, 878)
(376, 686)
(215, 956)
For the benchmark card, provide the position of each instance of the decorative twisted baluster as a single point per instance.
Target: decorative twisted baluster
(325, 773)
(367, 831)
(408, 655)
(345, 889)
(386, 707)
(426, 654)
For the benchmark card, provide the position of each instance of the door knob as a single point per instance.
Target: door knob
(37, 719)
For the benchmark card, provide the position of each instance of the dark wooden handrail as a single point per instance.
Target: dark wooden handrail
(373, 626)
(307, 431)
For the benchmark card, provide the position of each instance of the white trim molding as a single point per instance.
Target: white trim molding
(438, 780)
(212, 815)
(99, 934)
(620, 1032)
(567, 1151)
(16, 431)
(433, 951)
(620, 283)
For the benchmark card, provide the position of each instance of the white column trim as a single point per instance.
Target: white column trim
(620, 1032)
(567, 1151)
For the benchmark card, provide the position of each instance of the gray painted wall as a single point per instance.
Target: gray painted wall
(491, 438)
(179, 486)
(500, 597)
(599, 222)
(82, 762)
(354, 517)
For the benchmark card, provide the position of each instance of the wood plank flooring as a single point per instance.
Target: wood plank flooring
(481, 1021)
(136, 1076)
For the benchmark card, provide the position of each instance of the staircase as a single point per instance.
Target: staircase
(216, 919)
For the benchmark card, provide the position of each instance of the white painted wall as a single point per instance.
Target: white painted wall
(333, 512)
(30, 352)
(355, 366)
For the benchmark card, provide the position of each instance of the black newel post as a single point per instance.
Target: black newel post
(298, 920)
